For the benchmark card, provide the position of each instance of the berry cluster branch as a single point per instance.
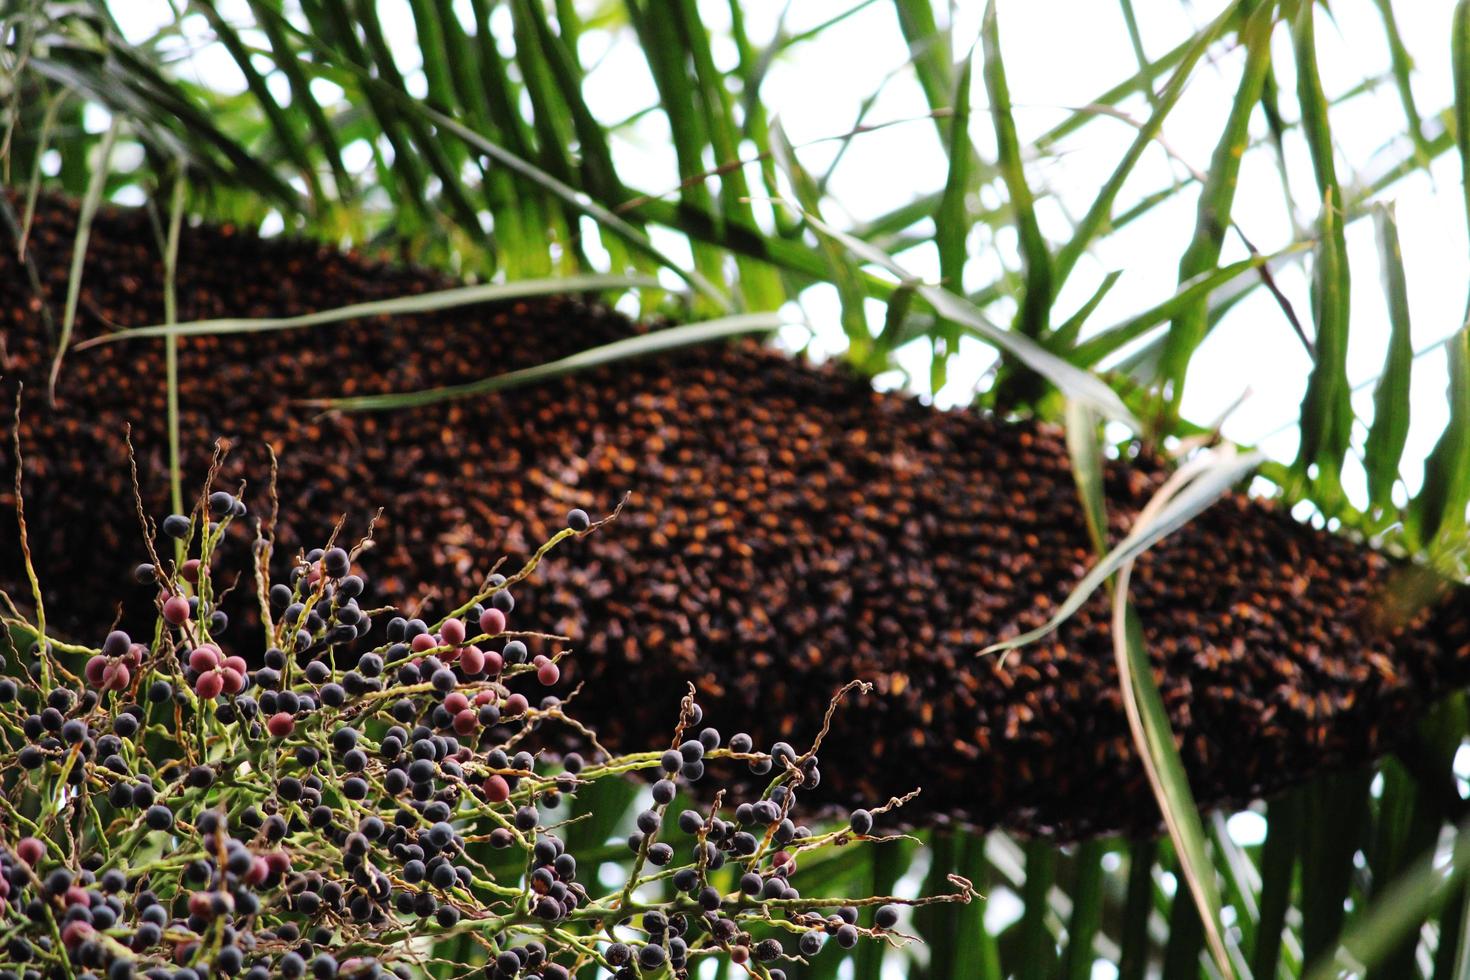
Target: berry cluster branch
(360, 800)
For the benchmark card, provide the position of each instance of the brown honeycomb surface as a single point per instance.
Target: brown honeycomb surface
(788, 529)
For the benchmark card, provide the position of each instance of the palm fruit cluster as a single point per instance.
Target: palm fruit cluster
(378, 801)
(786, 528)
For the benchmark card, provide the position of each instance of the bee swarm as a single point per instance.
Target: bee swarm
(788, 528)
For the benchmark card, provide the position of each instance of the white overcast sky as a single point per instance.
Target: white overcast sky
(1062, 53)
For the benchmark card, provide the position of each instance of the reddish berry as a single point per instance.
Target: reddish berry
(472, 661)
(452, 631)
(209, 685)
(176, 610)
(548, 673)
(497, 790)
(492, 621)
(134, 656)
(30, 850)
(280, 724)
(515, 705)
(423, 642)
(76, 932)
(485, 697)
(494, 662)
(116, 677)
(465, 722)
(205, 657)
(190, 570)
(94, 670)
(455, 702)
(234, 680)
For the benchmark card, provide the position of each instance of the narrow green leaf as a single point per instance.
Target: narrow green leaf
(1460, 62)
(1439, 508)
(1337, 806)
(1154, 739)
(1399, 913)
(171, 346)
(672, 338)
(1038, 948)
(1087, 910)
(842, 271)
(443, 299)
(1277, 864)
(759, 284)
(1186, 939)
(1217, 199)
(1068, 379)
(33, 186)
(667, 62)
(1065, 336)
(1035, 308)
(90, 203)
(952, 221)
(935, 924)
(1135, 38)
(1137, 908)
(1327, 411)
(281, 124)
(1198, 289)
(889, 863)
(1390, 429)
(323, 133)
(346, 51)
(929, 52)
(1085, 450)
(1402, 66)
(431, 148)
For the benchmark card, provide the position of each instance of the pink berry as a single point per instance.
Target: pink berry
(76, 932)
(494, 662)
(204, 657)
(548, 673)
(236, 664)
(492, 621)
(455, 702)
(209, 685)
(258, 872)
(30, 850)
(234, 680)
(485, 697)
(497, 790)
(472, 661)
(116, 677)
(280, 724)
(515, 705)
(452, 631)
(423, 642)
(94, 669)
(465, 722)
(190, 570)
(135, 654)
(176, 610)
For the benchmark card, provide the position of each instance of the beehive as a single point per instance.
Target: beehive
(788, 529)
